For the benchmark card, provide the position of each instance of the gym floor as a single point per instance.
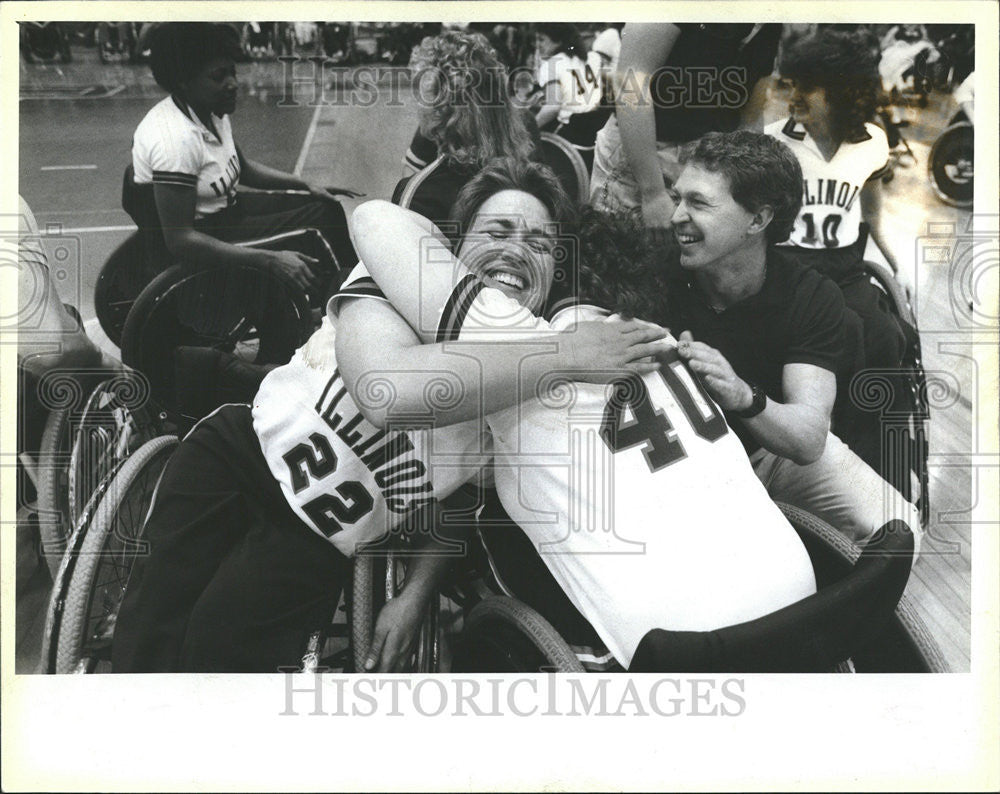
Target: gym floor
(76, 124)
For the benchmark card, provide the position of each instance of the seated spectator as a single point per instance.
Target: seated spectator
(466, 119)
(765, 333)
(184, 148)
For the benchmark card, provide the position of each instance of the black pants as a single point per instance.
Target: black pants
(234, 581)
(259, 215)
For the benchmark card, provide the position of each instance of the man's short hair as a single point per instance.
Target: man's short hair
(179, 50)
(760, 169)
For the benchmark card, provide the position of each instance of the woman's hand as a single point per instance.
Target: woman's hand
(397, 630)
(331, 193)
(598, 351)
(295, 266)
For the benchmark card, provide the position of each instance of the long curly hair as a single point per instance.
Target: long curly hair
(623, 264)
(844, 65)
(469, 113)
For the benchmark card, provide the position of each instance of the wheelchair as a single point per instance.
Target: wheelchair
(568, 164)
(901, 400)
(502, 634)
(951, 164)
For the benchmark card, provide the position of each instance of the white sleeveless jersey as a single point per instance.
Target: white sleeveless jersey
(580, 87)
(638, 496)
(347, 480)
(831, 191)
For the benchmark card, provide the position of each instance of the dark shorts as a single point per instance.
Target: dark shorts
(234, 581)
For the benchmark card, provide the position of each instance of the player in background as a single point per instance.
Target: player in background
(259, 511)
(638, 496)
(569, 88)
(834, 93)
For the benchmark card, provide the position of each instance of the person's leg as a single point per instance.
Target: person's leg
(278, 585)
(839, 488)
(198, 516)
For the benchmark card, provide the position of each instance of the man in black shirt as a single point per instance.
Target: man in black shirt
(765, 334)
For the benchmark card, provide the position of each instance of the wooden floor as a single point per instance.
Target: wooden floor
(933, 238)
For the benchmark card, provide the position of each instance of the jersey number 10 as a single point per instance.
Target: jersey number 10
(649, 425)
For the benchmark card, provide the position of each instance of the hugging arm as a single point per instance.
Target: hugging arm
(394, 343)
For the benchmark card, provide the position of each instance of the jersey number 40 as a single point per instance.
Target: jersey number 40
(649, 425)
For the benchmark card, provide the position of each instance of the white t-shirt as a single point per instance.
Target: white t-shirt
(831, 191)
(639, 497)
(579, 83)
(349, 481)
(172, 147)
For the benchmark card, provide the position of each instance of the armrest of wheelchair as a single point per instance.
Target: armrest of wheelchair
(811, 635)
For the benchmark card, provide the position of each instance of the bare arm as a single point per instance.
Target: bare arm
(871, 213)
(551, 104)
(175, 206)
(645, 48)
(752, 113)
(490, 376)
(795, 428)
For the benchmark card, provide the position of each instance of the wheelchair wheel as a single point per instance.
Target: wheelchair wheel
(377, 579)
(115, 421)
(503, 635)
(250, 313)
(563, 158)
(121, 280)
(102, 563)
(53, 487)
(950, 166)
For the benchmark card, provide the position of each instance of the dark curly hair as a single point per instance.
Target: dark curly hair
(844, 65)
(761, 171)
(623, 264)
(471, 117)
(564, 34)
(179, 50)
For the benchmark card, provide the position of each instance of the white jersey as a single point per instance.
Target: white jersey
(172, 147)
(831, 191)
(349, 481)
(579, 83)
(639, 498)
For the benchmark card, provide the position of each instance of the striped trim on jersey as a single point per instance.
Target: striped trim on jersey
(361, 288)
(416, 181)
(413, 161)
(457, 307)
(175, 178)
(790, 131)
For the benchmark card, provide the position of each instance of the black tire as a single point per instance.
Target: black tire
(116, 420)
(242, 310)
(950, 165)
(120, 282)
(504, 635)
(104, 561)
(54, 523)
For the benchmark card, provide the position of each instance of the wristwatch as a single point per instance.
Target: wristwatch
(757, 404)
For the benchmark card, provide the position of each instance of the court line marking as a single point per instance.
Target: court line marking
(307, 143)
(68, 168)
